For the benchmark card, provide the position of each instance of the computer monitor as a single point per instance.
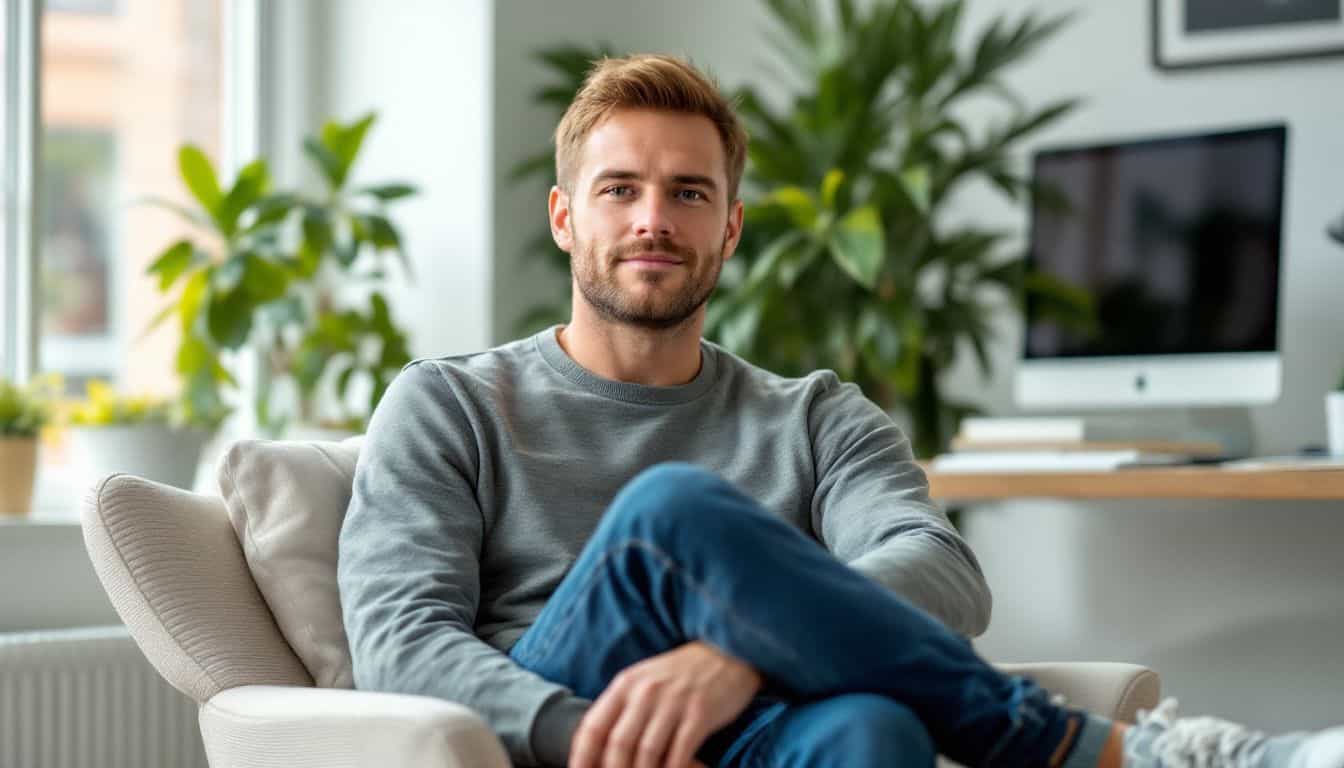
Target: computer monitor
(1177, 241)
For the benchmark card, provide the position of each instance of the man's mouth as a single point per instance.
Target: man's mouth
(653, 257)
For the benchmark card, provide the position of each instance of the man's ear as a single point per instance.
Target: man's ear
(732, 233)
(562, 231)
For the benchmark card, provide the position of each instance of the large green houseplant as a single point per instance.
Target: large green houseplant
(846, 261)
(847, 188)
(295, 276)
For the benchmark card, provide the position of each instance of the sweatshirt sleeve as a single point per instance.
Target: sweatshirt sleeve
(871, 508)
(409, 573)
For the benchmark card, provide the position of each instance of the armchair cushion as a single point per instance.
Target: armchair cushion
(286, 501)
(261, 725)
(173, 571)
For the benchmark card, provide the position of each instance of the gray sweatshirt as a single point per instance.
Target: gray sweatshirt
(482, 476)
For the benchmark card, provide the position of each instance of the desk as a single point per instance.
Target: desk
(1199, 482)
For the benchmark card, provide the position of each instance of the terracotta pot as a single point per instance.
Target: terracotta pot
(18, 468)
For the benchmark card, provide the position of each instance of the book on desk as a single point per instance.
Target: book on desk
(1064, 445)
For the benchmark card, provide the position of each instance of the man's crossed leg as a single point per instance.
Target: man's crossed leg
(683, 563)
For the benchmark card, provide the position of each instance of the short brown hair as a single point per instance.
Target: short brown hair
(647, 82)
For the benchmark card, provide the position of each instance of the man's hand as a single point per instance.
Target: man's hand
(657, 713)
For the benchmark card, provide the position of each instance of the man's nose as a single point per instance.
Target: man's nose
(653, 218)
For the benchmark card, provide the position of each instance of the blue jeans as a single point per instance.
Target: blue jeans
(855, 676)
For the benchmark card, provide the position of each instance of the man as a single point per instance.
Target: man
(623, 546)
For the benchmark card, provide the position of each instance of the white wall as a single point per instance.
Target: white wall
(1236, 604)
(426, 67)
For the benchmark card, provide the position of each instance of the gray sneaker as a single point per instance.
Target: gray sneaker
(1162, 740)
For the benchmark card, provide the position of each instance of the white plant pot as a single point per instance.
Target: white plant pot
(1334, 422)
(153, 451)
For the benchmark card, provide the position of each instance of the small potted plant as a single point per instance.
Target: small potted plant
(24, 411)
(139, 435)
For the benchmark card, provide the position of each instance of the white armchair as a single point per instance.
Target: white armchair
(174, 570)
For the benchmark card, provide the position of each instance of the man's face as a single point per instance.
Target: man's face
(648, 223)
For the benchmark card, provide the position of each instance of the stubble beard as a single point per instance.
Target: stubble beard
(603, 292)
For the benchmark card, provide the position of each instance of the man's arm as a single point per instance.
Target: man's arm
(872, 510)
(409, 573)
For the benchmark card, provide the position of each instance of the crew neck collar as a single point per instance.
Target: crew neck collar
(548, 345)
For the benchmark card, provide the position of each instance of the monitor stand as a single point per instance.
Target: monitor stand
(1228, 426)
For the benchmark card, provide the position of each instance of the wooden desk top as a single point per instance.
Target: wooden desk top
(1198, 482)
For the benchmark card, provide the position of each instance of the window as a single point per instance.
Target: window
(109, 89)
(123, 85)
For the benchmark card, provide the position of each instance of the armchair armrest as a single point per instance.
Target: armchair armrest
(1116, 691)
(292, 727)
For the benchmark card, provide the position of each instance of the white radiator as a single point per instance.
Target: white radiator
(87, 698)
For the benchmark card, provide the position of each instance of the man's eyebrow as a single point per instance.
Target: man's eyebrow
(695, 180)
(617, 174)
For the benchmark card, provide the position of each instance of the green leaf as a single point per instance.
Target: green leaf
(386, 192)
(380, 316)
(857, 245)
(173, 262)
(381, 232)
(311, 361)
(193, 294)
(285, 311)
(802, 209)
(192, 355)
(251, 184)
(343, 381)
(767, 263)
(327, 163)
(830, 186)
(739, 327)
(915, 182)
(271, 209)
(343, 142)
(229, 274)
(200, 178)
(163, 314)
(263, 281)
(229, 318)
(571, 61)
(317, 233)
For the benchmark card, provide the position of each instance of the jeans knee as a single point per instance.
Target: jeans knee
(664, 499)
(862, 730)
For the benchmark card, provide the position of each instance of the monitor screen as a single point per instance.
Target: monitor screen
(1176, 240)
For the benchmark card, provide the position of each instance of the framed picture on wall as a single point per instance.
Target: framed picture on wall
(1204, 33)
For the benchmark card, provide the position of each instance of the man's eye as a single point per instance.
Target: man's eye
(692, 194)
(619, 190)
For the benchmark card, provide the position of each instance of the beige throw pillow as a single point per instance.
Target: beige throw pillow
(286, 501)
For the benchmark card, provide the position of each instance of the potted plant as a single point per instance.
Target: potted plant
(847, 261)
(24, 411)
(146, 436)
(295, 277)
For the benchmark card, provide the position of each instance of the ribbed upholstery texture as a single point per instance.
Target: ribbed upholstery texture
(171, 565)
